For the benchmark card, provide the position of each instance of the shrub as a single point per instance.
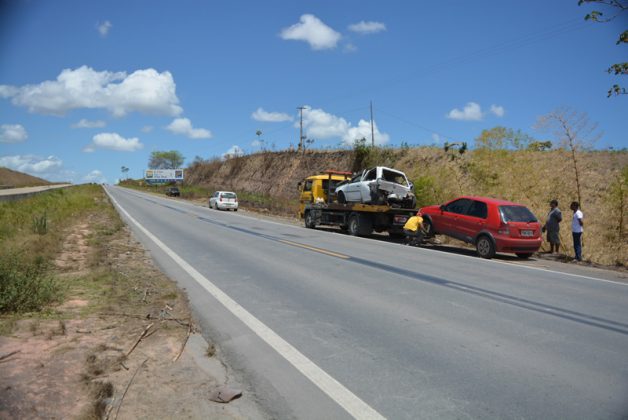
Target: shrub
(26, 286)
(40, 224)
(425, 190)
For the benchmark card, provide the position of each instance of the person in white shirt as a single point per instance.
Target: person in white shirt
(577, 229)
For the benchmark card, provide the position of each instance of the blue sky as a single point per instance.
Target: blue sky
(89, 86)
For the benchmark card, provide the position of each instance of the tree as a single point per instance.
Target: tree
(619, 7)
(165, 160)
(574, 132)
(460, 146)
(503, 138)
(540, 146)
(124, 170)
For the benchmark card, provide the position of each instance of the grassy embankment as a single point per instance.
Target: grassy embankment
(37, 232)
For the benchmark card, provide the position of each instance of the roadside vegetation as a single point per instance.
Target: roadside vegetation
(76, 292)
(30, 233)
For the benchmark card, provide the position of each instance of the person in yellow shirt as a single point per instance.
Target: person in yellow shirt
(412, 230)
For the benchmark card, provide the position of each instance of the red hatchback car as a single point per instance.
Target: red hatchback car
(489, 224)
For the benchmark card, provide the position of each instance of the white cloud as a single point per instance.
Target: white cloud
(498, 110)
(264, 116)
(12, 133)
(147, 128)
(95, 176)
(104, 28)
(313, 31)
(89, 124)
(256, 143)
(471, 112)
(113, 141)
(367, 27)
(50, 168)
(234, 151)
(363, 130)
(146, 91)
(7, 91)
(319, 124)
(184, 127)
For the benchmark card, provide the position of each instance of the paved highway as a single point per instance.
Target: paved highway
(323, 325)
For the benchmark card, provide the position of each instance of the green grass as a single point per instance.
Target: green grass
(31, 233)
(26, 286)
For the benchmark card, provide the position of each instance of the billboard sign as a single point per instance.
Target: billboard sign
(163, 175)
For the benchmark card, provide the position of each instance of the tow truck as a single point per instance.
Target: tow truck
(318, 205)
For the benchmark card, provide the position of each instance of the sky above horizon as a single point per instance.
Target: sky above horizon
(87, 87)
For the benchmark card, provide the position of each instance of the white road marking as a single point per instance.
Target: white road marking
(334, 389)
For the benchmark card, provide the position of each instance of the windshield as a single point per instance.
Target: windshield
(396, 177)
(516, 214)
(228, 195)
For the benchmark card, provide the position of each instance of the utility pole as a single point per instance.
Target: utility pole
(300, 148)
(372, 130)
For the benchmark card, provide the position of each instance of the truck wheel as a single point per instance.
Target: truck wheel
(360, 225)
(341, 198)
(485, 247)
(354, 225)
(310, 223)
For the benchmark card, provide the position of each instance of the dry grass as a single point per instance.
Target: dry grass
(10, 178)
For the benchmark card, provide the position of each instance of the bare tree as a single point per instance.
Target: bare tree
(574, 132)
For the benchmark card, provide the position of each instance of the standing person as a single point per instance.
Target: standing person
(577, 229)
(552, 226)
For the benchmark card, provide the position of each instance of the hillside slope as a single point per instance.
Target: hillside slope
(528, 177)
(11, 178)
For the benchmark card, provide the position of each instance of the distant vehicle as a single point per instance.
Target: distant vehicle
(173, 192)
(491, 225)
(378, 185)
(224, 200)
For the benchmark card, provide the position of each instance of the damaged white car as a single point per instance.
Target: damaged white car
(378, 185)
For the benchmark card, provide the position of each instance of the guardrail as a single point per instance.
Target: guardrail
(21, 193)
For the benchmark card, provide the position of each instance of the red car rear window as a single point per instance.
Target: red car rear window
(516, 214)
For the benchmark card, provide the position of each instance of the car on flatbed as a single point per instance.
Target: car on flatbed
(492, 225)
(378, 185)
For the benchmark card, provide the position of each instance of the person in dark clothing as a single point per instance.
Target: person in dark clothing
(552, 226)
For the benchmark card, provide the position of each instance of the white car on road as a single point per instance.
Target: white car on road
(378, 185)
(224, 200)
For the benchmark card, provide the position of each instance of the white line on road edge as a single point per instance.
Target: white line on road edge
(334, 389)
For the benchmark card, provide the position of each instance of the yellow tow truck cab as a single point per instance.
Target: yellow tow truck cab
(319, 188)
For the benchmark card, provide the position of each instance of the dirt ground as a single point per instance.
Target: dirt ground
(121, 345)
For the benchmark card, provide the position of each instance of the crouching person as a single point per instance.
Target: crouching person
(412, 230)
